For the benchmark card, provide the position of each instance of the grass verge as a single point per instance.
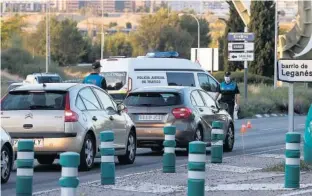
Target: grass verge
(281, 167)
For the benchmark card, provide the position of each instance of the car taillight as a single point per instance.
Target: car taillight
(129, 84)
(70, 116)
(182, 113)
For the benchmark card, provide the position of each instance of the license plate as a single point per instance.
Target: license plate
(150, 117)
(38, 142)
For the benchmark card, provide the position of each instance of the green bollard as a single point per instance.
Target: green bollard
(217, 136)
(292, 164)
(25, 167)
(69, 179)
(169, 157)
(107, 158)
(308, 138)
(196, 169)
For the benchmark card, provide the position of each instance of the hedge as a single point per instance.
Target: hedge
(239, 78)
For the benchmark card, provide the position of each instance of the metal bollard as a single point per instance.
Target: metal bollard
(169, 157)
(25, 167)
(217, 136)
(107, 158)
(292, 166)
(69, 180)
(196, 169)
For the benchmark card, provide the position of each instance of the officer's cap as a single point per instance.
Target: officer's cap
(96, 65)
(227, 74)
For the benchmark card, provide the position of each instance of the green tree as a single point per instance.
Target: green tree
(112, 24)
(118, 45)
(10, 29)
(128, 25)
(263, 25)
(233, 24)
(189, 24)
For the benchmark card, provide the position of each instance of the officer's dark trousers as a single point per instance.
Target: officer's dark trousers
(230, 109)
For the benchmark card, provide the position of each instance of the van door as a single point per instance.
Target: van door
(208, 84)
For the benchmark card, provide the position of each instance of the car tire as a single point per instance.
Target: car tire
(157, 149)
(229, 139)
(129, 157)
(87, 153)
(198, 134)
(6, 167)
(45, 159)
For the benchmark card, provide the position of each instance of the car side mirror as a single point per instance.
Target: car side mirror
(121, 107)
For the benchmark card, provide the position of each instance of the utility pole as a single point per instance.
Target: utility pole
(275, 50)
(102, 32)
(47, 36)
(246, 72)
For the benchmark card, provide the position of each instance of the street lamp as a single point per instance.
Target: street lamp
(198, 27)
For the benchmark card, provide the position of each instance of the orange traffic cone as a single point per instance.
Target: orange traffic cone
(243, 129)
(248, 125)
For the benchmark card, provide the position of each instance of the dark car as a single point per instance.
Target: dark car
(190, 109)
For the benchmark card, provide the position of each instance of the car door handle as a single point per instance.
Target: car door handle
(94, 118)
(201, 109)
(111, 118)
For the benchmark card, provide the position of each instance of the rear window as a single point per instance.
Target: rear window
(115, 80)
(49, 79)
(25, 100)
(153, 99)
(180, 79)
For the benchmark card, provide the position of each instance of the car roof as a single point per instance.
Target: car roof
(44, 74)
(48, 86)
(163, 89)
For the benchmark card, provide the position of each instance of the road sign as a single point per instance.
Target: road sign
(241, 37)
(294, 70)
(240, 46)
(236, 56)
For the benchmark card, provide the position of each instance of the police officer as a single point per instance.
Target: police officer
(229, 93)
(95, 77)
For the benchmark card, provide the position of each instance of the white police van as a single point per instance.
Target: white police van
(155, 69)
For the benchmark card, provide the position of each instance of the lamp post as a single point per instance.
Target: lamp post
(102, 32)
(47, 35)
(198, 27)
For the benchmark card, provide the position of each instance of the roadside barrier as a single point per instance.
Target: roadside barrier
(169, 157)
(217, 136)
(196, 169)
(69, 179)
(308, 138)
(107, 158)
(292, 164)
(25, 168)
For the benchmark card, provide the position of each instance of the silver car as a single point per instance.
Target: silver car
(7, 156)
(63, 117)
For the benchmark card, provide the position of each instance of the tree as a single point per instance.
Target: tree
(118, 45)
(128, 25)
(189, 24)
(10, 29)
(233, 24)
(112, 24)
(262, 23)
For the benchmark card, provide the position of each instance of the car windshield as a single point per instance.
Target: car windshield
(153, 99)
(115, 80)
(26, 100)
(49, 79)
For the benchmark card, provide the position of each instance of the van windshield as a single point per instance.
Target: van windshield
(115, 80)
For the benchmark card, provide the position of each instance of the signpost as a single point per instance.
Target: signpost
(240, 49)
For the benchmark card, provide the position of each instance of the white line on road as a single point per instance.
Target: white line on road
(230, 168)
(298, 192)
(251, 187)
(274, 156)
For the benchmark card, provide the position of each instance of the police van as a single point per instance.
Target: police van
(155, 69)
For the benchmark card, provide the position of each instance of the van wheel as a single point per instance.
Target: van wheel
(129, 157)
(45, 159)
(87, 153)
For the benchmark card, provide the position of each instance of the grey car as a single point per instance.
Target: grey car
(190, 109)
(62, 117)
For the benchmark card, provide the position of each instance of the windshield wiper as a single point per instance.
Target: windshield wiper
(33, 107)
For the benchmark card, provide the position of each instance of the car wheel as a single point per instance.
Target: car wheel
(198, 134)
(6, 164)
(46, 159)
(87, 153)
(129, 157)
(157, 149)
(229, 140)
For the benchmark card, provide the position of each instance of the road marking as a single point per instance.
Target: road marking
(230, 168)
(274, 156)
(251, 187)
(298, 192)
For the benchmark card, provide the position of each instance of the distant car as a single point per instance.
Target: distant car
(67, 117)
(191, 110)
(14, 85)
(38, 78)
(7, 156)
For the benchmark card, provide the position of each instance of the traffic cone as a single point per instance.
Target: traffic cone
(248, 125)
(243, 129)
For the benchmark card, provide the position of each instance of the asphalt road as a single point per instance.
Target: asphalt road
(266, 135)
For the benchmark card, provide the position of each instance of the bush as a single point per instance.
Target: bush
(264, 99)
(239, 78)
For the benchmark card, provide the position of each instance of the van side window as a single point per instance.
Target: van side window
(207, 83)
(180, 79)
